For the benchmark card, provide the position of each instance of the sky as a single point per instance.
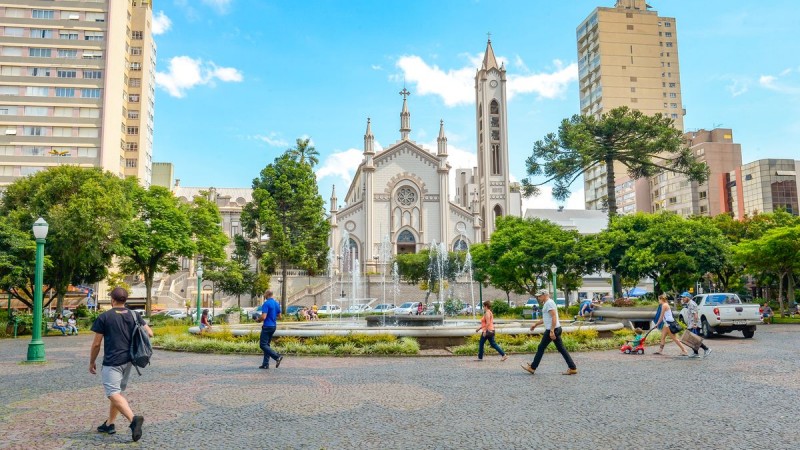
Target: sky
(238, 81)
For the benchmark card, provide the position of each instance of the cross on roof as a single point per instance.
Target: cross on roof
(489, 36)
(405, 93)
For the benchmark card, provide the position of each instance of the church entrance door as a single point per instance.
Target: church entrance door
(406, 243)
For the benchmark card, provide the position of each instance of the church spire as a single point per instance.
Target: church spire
(369, 139)
(442, 140)
(489, 61)
(405, 116)
(334, 208)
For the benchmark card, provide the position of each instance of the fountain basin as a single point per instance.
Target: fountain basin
(450, 333)
(404, 321)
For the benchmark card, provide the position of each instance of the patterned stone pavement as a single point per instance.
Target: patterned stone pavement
(745, 395)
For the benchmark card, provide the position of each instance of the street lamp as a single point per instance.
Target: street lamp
(613, 290)
(199, 273)
(554, 270)
(36, 347)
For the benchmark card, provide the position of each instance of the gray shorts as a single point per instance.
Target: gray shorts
(115, 378)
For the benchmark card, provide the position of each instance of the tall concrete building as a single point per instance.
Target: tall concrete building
(627, 56)
(77, 86)
(763, 186)
(674, 192)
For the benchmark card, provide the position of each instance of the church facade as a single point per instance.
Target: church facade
(399, 200)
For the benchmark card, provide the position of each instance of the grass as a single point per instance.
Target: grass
(222, 341)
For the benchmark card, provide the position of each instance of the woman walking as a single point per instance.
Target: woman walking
(664, 317)
(487, 332)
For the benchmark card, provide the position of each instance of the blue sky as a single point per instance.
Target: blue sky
(240, 80)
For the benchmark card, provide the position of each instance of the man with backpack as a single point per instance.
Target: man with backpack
(115, 329)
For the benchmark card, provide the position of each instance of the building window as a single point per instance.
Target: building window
(39, 52)
(130, 163)
(93, 74)
(674, 116)
(669, 43)
(496, 162)
(634, 100)
(406, 196)
(66, 73)
(135, 82)
(634, 79)
(37, 91)
(40, 33)
(630, 27)
(667, 24)
(133, 130)
(65, 92)
(90, 93)
(136, 51)
(672, 85)
(633, 89)
(70, 35)
(33, 131)
(67, 53)
(131, 147)
(668, 34)
(137, 35)
(133, 98)
(673, 200)
(39, 71)
(95, 17)
(673, 105)
(93, 36)
(136, 66)
(702, 195)
(42, 14)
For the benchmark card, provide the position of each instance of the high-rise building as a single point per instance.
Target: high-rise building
(77, 86)
(763, 186)
(674, 192)
(627, 56)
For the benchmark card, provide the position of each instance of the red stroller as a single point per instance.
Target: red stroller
(628, 349)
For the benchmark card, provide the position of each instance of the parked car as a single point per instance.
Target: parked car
(359, 309)
(385, 307)
(723, 313)
(407, 308)
(292, 309)
(329, 309)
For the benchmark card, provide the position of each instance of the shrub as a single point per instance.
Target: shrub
(623, 302)
(500, 307)
(81, 311)
(583, 335)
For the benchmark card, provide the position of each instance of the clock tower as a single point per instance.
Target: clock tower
(492, 127)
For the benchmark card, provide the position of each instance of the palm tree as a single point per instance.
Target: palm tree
(304, 151)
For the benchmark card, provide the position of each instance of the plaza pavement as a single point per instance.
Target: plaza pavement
(745, 395)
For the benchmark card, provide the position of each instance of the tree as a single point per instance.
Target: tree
(287, 207)
(85, 209)
(210, 240)
(160, 234)
(645, 145)
(17, 262)
(778, 252)
(304, 152)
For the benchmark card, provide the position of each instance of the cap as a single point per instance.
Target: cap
(686, 294)
(541, 292)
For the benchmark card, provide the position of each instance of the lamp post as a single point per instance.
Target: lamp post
(199, 273)
(554, 270)
(36, 347)
(613, 291)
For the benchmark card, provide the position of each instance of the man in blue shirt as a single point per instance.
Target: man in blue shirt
(270, 313)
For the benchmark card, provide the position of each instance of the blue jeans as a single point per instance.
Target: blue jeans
(266, 337)
(559, 345)
(63, 330)
(489, 335)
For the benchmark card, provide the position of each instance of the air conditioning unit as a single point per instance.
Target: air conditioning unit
(11, 131)
(73, 17)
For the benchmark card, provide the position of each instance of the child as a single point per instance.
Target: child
(630, 346)
(72, 325)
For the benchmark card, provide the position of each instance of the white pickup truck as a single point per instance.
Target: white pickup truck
(723, 313)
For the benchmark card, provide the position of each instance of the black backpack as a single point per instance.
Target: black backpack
(140, 350)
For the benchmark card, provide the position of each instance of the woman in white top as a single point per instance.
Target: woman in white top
(665, 317)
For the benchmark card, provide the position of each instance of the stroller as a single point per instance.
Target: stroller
(628, 349)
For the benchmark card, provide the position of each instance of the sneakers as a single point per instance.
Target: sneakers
(706, 352)
(263, 367)
(136, 427)
(278, 361)
(696, 355)
(529, 369)
(109, 429)
(570, 372)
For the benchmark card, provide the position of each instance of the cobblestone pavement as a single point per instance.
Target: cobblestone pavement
(744, 395)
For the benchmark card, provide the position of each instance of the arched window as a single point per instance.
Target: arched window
(498, 213)
(406, 242)
(494, 108)
(350, 256)
(496, 160)
(460, 246)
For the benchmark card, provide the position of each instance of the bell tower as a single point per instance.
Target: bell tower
(492, 127)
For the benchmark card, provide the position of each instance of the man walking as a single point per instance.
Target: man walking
(270, 313)
(114, 330)
(693, 323)
(552, 333)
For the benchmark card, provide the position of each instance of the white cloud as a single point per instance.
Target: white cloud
(161, 23)
(456, 86)
(341, 164)
(779, 83)
(272, 139)
(186, 72)
(376, 67)
(738, 86)
(220, 5)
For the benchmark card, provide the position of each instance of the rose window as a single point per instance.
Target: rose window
(406, 196)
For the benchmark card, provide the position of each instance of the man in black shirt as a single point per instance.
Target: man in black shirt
(114, 329)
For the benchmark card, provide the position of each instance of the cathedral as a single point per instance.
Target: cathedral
(399, 200)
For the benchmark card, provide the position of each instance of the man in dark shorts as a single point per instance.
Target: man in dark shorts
(114, 329)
